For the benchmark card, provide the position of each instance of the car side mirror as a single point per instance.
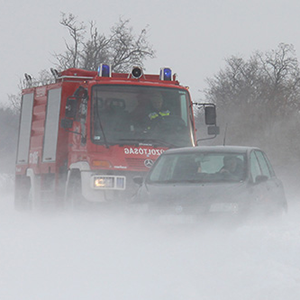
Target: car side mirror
(138, 180)
(261, 178)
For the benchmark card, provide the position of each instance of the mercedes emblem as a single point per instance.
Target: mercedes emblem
(148, 163)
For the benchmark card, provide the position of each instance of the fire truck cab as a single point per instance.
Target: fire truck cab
(84, 137)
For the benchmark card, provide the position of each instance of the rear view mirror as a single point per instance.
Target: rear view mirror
(138, 180)
(210, 115)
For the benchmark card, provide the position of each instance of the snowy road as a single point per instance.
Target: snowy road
(83, 256)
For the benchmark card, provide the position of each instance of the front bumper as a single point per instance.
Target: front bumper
(101, 186)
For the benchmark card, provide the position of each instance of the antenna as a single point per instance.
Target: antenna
(224, 140)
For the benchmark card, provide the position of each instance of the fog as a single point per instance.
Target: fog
(88, 255)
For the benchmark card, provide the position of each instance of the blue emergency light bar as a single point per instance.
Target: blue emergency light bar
(165, 74)
(104, 70)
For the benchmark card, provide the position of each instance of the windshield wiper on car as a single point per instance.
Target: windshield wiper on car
(198, 180)
(171, 181)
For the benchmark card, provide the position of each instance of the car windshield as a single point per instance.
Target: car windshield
(129, 114)
(199, 167)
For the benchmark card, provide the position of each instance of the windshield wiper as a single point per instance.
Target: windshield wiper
(165, 181)
(132, 141)
(167, 144)
(157, 142)
(149, 142)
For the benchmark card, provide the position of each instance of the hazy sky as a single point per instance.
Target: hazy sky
(191, 37)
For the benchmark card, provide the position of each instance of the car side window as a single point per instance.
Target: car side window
(254, 166)
(263, 164)
(269, 166)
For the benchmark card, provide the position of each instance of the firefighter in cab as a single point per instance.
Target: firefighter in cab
(157, 111)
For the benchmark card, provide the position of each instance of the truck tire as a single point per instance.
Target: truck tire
(73, 197)
(23, 193)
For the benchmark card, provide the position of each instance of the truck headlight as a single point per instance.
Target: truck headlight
(108, 182)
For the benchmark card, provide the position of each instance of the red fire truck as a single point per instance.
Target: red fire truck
(85, 136)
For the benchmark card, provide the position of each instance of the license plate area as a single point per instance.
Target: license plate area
(224, 207)
(108, 182)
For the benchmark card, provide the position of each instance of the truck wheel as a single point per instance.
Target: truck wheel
(74, 196)
(23, 194)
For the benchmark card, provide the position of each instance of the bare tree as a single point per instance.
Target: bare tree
(95, 50)
(281, 78)
(121, 48)
(259, 98)
(14, 102)
(71, 58)
(127, 50)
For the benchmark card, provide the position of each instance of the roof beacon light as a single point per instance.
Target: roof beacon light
(136, 72)
(165, 74)
(104, 70)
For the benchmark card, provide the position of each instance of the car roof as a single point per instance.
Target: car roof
(212, 149)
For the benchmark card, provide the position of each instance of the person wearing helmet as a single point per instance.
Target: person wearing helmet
(157, 109)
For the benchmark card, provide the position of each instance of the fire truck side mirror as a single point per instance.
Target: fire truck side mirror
(71, 108)
(66, 123)
(210, 115)
(213, 130)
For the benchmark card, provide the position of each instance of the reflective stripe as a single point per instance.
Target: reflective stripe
(154, 115)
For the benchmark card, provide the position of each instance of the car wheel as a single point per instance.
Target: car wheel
(23, 194)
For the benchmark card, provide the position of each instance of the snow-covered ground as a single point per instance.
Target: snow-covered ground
(86, 256)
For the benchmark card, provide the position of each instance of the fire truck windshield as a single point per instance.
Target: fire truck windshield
(130, 114)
